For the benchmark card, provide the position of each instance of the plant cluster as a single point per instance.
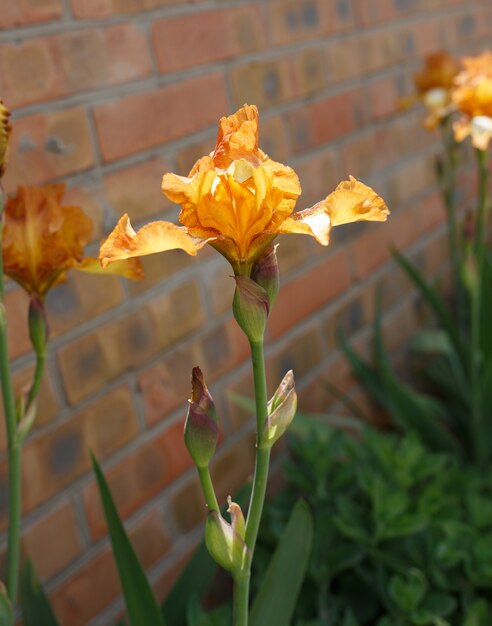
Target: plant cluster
(402, 535)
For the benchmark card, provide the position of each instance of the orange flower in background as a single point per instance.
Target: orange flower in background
(238, 200)
(433, 85)
(5, 130)
(472, 97)
(43, 239)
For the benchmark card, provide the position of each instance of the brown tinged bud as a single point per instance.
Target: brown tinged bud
(251, 308)
(226, 542)
(281, 411)
(5, 130)
(265, 273)
(38, 325)
(201, 431)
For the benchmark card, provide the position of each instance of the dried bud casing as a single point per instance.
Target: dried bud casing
(5, 130)
(265, 273)
(201, 430)
(38, 325)
(251, 308)
(225, 541)
(281, 411)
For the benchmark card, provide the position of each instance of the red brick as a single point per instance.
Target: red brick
(53, 542)
(91, 360)
(196, 39)
(44, 68)
(166, 385)
(88, 196)
(362, 54)
(145, 120)
(46, 402)
(136, 189)
(384, 97)
(104, 8)
(373, 247)
(294, 20)
(56, 458)
(322, 121)
(17, 304)
(24, 12)
(88, 591)
(158, 267)
(140, 476)
(80, 298)
(271, 82)
(305, 294)
(47, 146)
(302, 354)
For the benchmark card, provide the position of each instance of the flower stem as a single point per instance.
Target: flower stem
(241, 582)
(476, 304)
(241, 597)
(208, 489)
(448, 189)
(13, 444)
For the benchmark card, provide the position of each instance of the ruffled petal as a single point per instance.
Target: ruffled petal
(314, 221)
(237, 137)
(353, 201)
(128, 268)
(123, 242)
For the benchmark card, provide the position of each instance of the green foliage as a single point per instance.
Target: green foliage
(402, 536)
(450, 405)
(140, 602)
(36, 609)
(279, 586)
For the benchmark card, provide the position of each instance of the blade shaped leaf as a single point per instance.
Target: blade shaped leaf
(36, 609)
(140, 601)
(276, 600)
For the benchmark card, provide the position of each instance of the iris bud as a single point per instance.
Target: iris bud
(201, 430)
(281, 411)
(38, 325)
(251, 308)
(265, 273)
(225, 541)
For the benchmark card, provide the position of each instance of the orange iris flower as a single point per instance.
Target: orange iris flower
(4, 136)
(43, 239)
(434, 84)
(472, 97)
(238, 200)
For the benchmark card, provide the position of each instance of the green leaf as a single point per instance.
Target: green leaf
(276, 599)
(436, 303)
(36, 609)
(196, 578)
(6, 612)
(141, 605)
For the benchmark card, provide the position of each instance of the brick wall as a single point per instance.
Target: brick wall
(110, 94)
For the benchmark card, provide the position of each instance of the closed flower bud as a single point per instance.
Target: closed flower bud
(265, 273)
(251, 308)
(225, 541)
(38, 325)
(201, 428)
(281, 411)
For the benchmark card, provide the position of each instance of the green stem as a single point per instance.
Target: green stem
(262, 454)
(476, 319)
(13, 446)
(241, 599)
(241, 582)
(208, 489)
(448, 190)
